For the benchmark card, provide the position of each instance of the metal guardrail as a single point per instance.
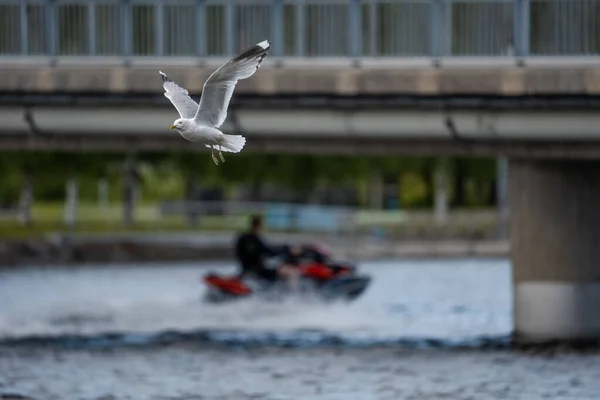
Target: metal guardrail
(300, 28)
(342, 220)
(303, 217)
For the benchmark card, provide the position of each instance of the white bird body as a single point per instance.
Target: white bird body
(200, 123)
(198, 132)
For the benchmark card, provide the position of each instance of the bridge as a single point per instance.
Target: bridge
(480, 77)
(518, 78)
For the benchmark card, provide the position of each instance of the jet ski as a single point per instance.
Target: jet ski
(321, 278)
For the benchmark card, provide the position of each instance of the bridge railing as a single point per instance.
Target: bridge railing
(300, 28)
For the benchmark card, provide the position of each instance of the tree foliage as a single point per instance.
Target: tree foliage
(165, 174)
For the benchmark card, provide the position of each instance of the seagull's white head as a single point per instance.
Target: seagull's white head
(180, 124)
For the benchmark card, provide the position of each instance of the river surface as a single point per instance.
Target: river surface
(423, 330)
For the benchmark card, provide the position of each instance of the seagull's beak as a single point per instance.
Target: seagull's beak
(172, 127)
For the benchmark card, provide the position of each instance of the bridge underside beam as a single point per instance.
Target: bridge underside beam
(555, 246)
(307, 145)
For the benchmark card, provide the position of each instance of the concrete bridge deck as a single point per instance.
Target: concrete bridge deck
(315, 77)
(533, 111)
(553, 134)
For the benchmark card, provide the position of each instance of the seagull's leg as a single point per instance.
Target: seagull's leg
(221, 154)
(212, 154)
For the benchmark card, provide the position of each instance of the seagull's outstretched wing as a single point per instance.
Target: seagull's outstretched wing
(219, 87)
(185, 105)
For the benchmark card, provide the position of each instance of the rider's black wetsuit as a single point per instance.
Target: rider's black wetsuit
(251, 251)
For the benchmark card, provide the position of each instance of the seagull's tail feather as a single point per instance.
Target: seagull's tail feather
(232, 143)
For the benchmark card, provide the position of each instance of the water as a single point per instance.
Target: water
(123, 332)
(458, 300)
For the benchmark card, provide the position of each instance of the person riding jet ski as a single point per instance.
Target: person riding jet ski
(251, 251)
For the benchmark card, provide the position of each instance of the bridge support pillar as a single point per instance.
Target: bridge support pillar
(555, 245)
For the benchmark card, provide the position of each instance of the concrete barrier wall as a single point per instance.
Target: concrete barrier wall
(339, 81)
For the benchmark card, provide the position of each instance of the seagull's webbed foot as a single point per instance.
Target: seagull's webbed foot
(212, 154)
(221, 154)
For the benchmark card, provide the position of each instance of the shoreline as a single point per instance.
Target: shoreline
(138, 248)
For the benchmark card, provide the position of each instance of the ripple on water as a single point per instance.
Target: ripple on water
(183, 371)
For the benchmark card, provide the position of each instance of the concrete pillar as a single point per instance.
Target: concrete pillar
(555, 245)
(26, 200)
(71, 202)
(441, 194)
(103, 193)
(502, 191)
(129, 189)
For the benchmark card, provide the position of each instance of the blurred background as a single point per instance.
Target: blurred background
(378, 196)
(384, 130)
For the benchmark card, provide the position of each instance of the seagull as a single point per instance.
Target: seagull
(200, 123)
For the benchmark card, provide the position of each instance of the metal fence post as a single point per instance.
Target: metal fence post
(24, 29)
(355, 28)
(435, 28)
(521, 28)
(446, 33)
(126, 22)
(159, 32)
(51, 20)
(92, 28)
(373, 18)
(201, 28)
(300, 23)
(230, 27)
(277, 33)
